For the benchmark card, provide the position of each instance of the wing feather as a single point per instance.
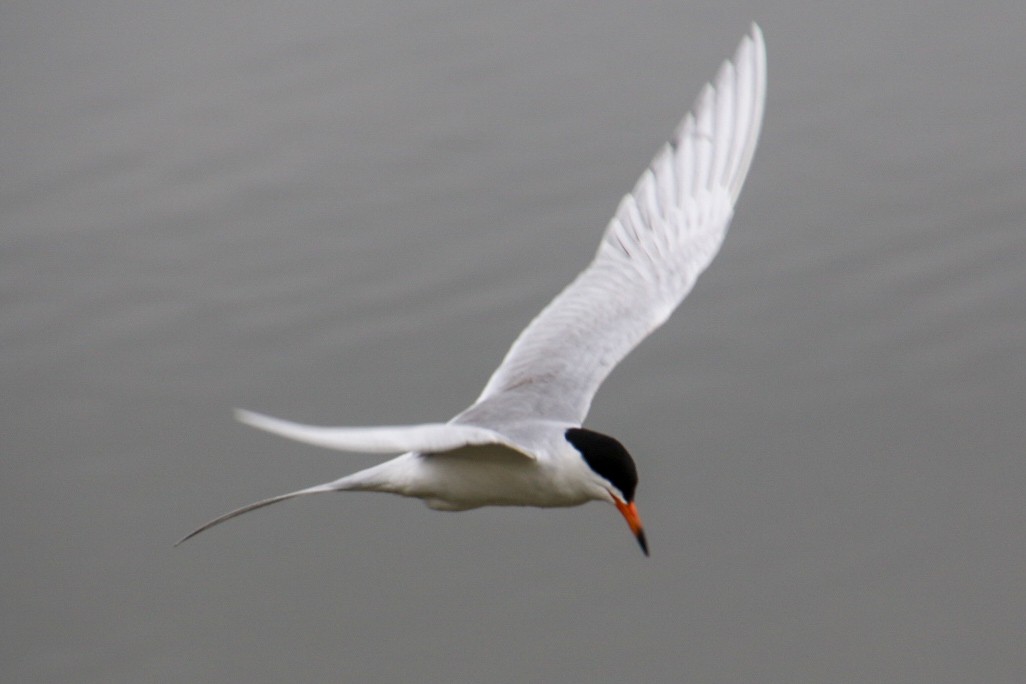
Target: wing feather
(663, 235)
(427, 438)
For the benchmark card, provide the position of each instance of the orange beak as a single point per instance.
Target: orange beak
(630, 513)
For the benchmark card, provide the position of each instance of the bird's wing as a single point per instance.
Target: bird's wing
(664, 234)
(429, 438)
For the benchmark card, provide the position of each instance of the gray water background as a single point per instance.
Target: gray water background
(343, 212)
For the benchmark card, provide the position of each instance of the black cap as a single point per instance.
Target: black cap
(607, 457)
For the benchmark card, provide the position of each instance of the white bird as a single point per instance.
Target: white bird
(521, 443)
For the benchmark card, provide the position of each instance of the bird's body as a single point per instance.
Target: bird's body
(521, 443)
(488, 475)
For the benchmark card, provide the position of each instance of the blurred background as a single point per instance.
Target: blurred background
(344, 212)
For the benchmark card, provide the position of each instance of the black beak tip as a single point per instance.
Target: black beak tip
(643, 543)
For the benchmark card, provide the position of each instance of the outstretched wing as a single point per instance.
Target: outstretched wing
(662, 237)
(428, 438)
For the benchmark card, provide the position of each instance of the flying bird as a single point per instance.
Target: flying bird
(522, 442)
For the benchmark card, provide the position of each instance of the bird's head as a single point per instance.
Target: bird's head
(615, 473)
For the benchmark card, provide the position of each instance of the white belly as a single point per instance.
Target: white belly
(491, 476)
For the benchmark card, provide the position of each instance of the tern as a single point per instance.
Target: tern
(521, 443)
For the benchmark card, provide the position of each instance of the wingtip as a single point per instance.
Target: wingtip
(760, 50)
(758, 43)
(755, 41)
(254, 419)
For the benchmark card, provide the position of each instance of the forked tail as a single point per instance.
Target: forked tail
(329, 487)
